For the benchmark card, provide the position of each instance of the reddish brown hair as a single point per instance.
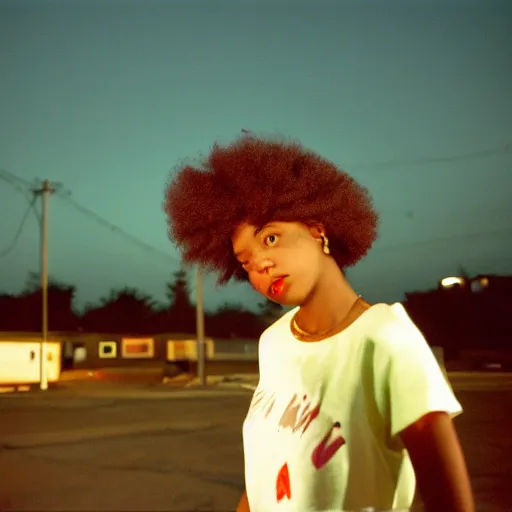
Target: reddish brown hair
(256, 181)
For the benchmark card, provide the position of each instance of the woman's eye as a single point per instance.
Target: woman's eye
(271, 239)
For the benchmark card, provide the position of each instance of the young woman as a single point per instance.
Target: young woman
(351, 408)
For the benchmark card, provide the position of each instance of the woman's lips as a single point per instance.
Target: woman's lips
(278, 287)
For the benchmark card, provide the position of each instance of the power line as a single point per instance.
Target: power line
(24, 187)
(115, 228)
(463, 236)
(11, 247)
(13, 179)
(434, 160)
(17, 183)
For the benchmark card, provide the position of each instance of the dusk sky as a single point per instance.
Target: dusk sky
(413, 98)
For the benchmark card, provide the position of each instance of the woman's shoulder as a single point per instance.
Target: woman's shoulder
(389, 325)
(382, 313)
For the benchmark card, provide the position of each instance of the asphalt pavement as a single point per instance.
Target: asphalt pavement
(98, 445)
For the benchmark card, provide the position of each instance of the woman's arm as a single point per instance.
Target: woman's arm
(243, 505)
(439, 464)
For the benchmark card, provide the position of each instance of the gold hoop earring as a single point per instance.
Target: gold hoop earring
(325, 244)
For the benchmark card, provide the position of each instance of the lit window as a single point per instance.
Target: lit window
(79, 353)
(108, 350)
(134, 348)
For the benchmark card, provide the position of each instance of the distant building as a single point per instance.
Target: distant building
(465, 313)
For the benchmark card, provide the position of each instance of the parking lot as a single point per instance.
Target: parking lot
(111, 446)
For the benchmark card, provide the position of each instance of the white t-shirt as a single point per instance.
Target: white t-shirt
(322, 429)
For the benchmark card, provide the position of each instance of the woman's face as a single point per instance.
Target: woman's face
(283, 260)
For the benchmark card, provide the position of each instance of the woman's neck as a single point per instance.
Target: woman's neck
(328, 304)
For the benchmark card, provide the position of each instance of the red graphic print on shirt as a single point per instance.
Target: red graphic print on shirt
(261, 401)
(299, 414)
(327, 447)
(283, 489)
(297, 417)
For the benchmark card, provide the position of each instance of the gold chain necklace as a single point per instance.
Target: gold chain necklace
(301, 332)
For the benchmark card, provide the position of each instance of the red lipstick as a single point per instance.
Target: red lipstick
(278, 287)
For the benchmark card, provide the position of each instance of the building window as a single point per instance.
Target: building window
(133, 348)
(108, 350)
(179, 350)
(79, 353)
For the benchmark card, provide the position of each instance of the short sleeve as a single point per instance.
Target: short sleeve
(416, 384)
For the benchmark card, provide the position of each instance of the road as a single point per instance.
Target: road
(105, 446)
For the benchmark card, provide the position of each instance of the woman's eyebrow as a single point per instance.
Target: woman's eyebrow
(256, 231)
(267, 225)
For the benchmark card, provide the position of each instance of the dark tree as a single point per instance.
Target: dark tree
(123, 311)
(232, 321)
(23, 312)
(179, 315)
(177, 292)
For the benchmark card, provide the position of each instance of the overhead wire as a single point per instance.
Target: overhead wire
(434, 160)
(447, 238)
(19, 231)
(21, 185)
(25, 188)
(115, 228)
(13, 178)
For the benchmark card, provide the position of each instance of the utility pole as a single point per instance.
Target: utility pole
(44, 192)
(201, 349)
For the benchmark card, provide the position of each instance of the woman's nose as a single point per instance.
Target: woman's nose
(263, 265)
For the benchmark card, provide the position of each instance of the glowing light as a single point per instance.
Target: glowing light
(479, 284)
(449, 282)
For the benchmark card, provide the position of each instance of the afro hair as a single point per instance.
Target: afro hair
(257, 181)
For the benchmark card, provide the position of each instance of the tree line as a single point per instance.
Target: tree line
(129, 311)
(474, 315)
(455, 319)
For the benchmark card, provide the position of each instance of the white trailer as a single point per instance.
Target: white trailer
(20, 362)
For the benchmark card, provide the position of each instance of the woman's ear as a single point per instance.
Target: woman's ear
(316, 230)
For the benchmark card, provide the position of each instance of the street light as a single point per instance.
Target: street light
(450, 282)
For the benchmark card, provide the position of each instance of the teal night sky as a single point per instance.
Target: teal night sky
(413, 98)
